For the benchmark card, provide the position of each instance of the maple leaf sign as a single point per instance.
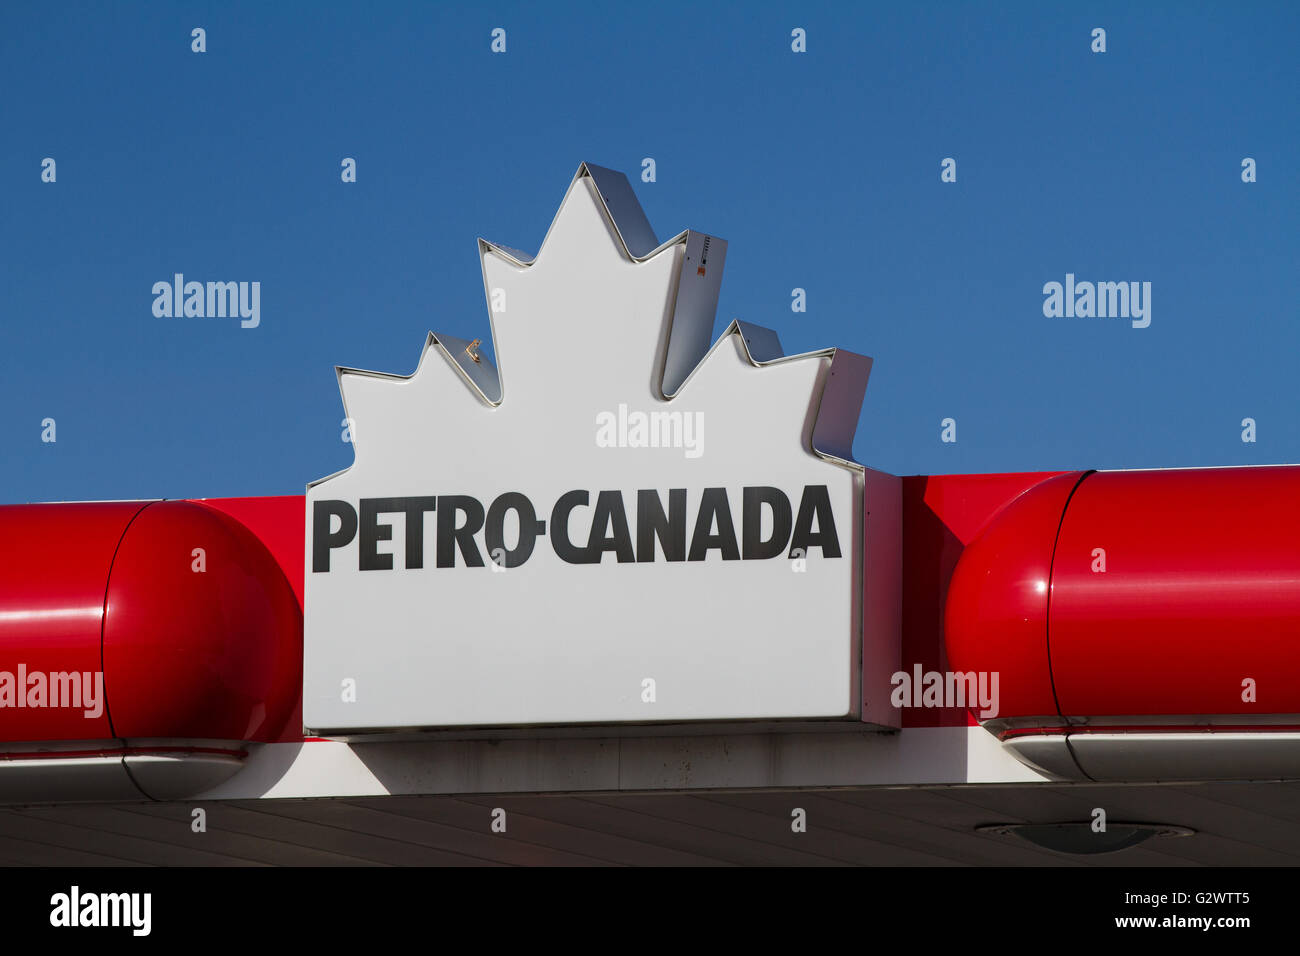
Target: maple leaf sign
(620, 523)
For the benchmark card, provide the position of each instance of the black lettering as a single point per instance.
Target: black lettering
(816, 501)
(714, 503)
(752, 522)
(529, 529)
(652, 523)
(415, 509)
(322, 539)
(450, 536)
(609, 513)
(565, 549)
(372, 532)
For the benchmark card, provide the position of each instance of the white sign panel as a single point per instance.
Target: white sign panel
(622, 525)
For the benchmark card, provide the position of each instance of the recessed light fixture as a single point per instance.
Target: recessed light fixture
(1080, 838)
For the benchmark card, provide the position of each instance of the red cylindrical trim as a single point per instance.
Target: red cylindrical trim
(1170, 593)
(137, 620)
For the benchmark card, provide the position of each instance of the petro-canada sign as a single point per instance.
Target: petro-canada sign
(512, 547)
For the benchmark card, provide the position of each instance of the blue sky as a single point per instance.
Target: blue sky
(822, 170)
